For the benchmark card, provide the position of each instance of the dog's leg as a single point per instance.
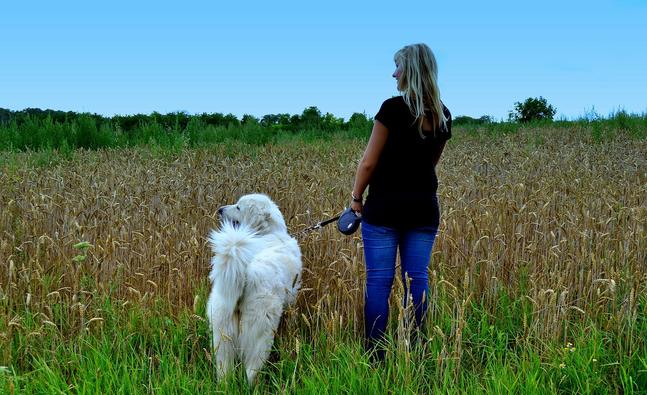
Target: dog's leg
(224, 326)
(260, 316)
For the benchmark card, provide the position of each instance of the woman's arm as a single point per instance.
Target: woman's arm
(369, 161)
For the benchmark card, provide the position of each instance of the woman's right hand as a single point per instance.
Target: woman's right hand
(356, 207)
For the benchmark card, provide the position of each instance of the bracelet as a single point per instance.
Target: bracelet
(355, 198)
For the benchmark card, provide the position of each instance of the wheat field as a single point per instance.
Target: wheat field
(547, 218)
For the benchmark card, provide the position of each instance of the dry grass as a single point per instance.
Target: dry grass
(560, 222)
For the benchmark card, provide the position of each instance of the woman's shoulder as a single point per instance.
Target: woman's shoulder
(394, 101)
(394, 106)
(391, 111)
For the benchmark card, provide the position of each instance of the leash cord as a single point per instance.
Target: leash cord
(320, 225)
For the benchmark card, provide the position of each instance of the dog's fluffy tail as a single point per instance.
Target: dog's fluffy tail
(233, 248)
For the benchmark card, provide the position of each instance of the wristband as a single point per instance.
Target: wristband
(356, 199)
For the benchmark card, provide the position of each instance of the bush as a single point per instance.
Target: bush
(532, 109)
(467, 120)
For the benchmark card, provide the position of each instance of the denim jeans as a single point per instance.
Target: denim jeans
(380, 247)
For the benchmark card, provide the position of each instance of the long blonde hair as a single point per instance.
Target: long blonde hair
(418, 84)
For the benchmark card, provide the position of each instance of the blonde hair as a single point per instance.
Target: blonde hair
(418, 84)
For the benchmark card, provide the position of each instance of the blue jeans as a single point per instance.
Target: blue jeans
(380, 247)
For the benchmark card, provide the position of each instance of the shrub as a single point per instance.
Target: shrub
(532, 109)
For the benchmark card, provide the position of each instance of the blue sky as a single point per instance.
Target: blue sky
(249, 57)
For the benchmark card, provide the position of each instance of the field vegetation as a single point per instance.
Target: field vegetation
(538, 279)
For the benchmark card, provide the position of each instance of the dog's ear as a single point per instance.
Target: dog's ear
(276, 217)
(264, 221)
(256, 218)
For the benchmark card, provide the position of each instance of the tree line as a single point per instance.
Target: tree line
(310, 119)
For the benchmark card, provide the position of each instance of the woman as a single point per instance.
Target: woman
(401, 209)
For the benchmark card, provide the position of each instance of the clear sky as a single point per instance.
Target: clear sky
(264, 57)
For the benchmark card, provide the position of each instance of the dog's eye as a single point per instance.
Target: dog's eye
(237, 207)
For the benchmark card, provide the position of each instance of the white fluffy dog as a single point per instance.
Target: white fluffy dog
(255, 274)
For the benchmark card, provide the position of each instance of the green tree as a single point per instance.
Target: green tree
(359, 121)
(310, 119)
(467, 120)
(5, 116)
(330, 123)
(249, 119)
(532, 109)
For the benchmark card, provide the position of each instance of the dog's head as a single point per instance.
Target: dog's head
(256, 211)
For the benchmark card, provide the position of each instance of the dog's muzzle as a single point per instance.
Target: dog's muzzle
(223, 218)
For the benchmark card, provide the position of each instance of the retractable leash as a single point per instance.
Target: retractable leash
(347, 222)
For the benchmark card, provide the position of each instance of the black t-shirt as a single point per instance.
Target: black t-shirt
(402, 189)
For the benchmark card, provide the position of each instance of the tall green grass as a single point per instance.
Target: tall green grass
(36, 134)
(134, 349)
(599, 128)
